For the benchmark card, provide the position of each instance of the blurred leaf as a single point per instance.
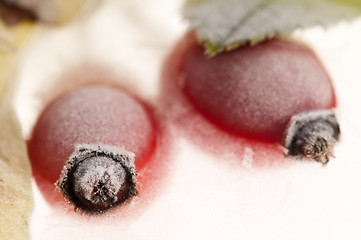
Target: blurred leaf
(15, 173)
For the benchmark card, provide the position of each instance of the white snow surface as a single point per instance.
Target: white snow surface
(204, 197)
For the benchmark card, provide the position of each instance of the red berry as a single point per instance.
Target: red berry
(100, 116)
(255, 90)
(186, 121)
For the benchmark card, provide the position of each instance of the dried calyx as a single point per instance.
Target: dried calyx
(97, 178)
(312, 135)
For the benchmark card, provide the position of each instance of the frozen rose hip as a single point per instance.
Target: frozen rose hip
(254, 91)
(96, 131)
(188, 123)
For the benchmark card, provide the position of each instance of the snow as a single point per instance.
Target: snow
(205, 196)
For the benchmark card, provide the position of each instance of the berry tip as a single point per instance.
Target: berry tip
(312, 135)
(98, 177)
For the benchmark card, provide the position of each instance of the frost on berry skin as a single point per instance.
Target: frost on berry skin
(187, 122)
(255, 90)
(96, 115)
(98, 177)
(312, 135)
(239, 103)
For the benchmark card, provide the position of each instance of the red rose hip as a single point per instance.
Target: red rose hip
(254, 91)
(95, 131)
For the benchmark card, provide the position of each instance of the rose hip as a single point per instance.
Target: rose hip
(95, 131)
(254, 91)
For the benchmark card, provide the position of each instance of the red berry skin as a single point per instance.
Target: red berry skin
(88, 115)
(253, 91)
(185, 120)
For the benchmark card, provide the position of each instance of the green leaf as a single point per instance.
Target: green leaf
(225, 24)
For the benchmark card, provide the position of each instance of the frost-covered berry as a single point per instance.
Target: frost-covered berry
(254, 91)
(87, 141)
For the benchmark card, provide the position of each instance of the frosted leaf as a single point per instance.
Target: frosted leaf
(225, 24)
